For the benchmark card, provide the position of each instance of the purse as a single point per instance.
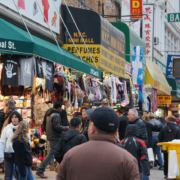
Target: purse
(8, 156)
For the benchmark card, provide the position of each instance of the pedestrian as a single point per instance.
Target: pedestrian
(123, 122)
(85, 122)
(155, 140)
(168, 133)
(69, 139)
(6, 150)
(140, 114)
(8, 108)
(22, 151)
(136, 147)
(145, 115)
(54, 129)
(143, 135)
(100, 158)
(176, 115)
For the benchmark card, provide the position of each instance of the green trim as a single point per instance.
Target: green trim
(21, 44)
(175, 87)
(161, 65)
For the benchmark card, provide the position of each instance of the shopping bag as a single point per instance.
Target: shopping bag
(173, 167)
(150, 154)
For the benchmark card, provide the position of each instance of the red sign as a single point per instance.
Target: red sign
(136, 9)
(174, 107)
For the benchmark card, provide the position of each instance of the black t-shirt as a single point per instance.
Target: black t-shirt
(39, 68)
(49, 76)
(11, 72)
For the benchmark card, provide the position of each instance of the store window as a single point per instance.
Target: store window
(160, 112)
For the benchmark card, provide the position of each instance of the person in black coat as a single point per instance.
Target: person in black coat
(69, 139)
(22, 151)
(168, 133)
(136, 147)
(123, 122)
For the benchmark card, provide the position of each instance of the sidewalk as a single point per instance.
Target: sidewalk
(155, 175)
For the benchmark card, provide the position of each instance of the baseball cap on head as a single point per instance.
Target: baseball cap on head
(105, 119)
(89, 111)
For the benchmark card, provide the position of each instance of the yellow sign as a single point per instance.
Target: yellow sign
(164, 100)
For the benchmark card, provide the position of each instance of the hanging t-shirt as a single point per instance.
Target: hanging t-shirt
(11, 72)
(49, 76)
(27, 71)
(44, 67)
(39, 68)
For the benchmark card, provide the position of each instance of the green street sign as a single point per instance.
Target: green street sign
(174, 17)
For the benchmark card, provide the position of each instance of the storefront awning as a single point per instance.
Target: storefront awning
(156, 78)
(175, 92)
(14, 40)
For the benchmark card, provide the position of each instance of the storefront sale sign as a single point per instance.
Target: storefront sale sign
(30, 10)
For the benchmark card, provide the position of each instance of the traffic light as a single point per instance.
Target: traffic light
(176, 67)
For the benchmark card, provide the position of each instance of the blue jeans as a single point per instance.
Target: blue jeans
(48, 158)
(9, 169)
(157, 149)
(142, 174)
(29, 174)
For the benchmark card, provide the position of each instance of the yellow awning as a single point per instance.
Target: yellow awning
(156, 78)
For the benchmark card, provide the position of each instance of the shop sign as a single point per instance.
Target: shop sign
(148, 27)
(7, 45)
(174, 107)
(169, 66)
(128, 68)
(105, 42)
(94, 72)
(163, 100)
(136, 8)
(30, 10)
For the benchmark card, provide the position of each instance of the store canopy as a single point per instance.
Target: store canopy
(14, 40)
(175, 92)
(156, 79)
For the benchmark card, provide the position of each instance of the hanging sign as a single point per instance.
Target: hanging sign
(163, 100)
(174, 107)
(30, 10)
(148, 27)
(136, 9)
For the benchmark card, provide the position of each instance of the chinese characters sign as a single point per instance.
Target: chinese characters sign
(164, 100)
(136, 9)
(148, 27)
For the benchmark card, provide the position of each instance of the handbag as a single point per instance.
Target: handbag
(8, 156)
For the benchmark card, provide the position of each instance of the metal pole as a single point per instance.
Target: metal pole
(23, 21)
(49, 28)
(80, 33)
(67, 30)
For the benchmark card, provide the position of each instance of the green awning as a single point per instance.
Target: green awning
(175, 92)
(14, 40)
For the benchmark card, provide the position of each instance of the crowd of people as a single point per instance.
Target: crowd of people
(95, 144)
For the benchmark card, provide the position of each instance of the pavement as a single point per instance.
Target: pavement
(155, 175)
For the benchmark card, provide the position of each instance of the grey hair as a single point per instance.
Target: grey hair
(135, 112)
(11, 104)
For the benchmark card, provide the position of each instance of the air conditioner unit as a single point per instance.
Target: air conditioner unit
(156, 40)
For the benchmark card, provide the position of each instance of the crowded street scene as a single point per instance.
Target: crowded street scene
(89, 89)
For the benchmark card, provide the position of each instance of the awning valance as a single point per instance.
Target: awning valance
(14, 40)
(156, 78)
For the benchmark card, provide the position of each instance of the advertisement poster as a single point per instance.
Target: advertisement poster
(148, 27)
(136, 9)
(30, 10)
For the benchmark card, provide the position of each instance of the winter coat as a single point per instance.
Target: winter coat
(2, 118)
(22, 155)
(150, 128)
(156, 123)
(70, 139)
(123, 122)
(6, 137)
(54, 127)
(98, 159)
(136, 147)
(143, 135)
(169, 132)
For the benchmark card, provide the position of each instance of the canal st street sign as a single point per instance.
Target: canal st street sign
(174, 17)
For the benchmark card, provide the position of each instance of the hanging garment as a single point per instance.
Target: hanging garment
(135, 97)
(49, 76)
(39, 68)
(21, 4)
(27, 71)
(10, 70)
(45, 3)
(145, 107)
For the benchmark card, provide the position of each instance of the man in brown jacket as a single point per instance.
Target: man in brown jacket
(100, 158)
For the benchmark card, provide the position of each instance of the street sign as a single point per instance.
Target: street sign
(175, 67)
(136, 8)
(174, 17)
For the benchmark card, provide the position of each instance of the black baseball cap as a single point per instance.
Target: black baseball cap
(105, 119)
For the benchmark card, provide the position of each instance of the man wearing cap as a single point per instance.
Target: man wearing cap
(123, 122)
(100, 158)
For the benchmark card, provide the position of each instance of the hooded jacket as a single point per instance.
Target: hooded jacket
(169, 132)
(98, 159)
(53, 126)
(70, 139)
(136, 147)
